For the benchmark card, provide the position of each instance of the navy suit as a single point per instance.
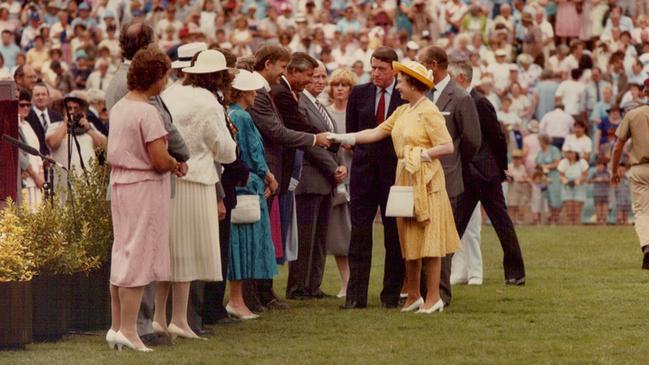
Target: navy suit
(36, 124)
(372, 175)
(485, 173)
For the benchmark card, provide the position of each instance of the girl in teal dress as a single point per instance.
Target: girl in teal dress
(548, 158)
(252, 254)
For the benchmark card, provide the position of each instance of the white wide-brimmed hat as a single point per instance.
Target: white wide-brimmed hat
(207, 62)
(186, 52)
(416, 70)
(247, 81)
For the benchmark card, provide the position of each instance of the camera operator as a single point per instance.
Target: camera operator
(76, 123)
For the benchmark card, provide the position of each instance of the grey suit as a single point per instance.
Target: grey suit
(313, 205)
(176, 147)
(464, 127)
(276, 137)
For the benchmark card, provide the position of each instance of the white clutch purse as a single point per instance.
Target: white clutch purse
(401, 202)
(247, 210)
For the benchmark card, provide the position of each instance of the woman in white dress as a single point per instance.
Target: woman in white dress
(32, 174)
(198, 114)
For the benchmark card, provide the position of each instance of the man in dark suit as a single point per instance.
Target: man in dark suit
(40, 117)
(373, 173)
(270, 63)
(486, 172)
(462, 123)
(320, 170)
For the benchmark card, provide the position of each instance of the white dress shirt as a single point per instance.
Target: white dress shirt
(388, 97)
(440, 86)
(43, 114)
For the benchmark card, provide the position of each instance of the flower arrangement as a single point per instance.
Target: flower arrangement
(16, 259)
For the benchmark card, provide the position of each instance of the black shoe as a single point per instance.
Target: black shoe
(645, 261)
(298, 295)
(204, 332)
(152, 340)
(516, 282)
(389, 305)
(319, 294)
(227, 320)
(352, 304)
(277, 304)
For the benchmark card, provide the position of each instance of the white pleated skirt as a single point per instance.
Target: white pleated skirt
(194, 244)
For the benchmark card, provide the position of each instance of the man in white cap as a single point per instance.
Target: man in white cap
(411, 51)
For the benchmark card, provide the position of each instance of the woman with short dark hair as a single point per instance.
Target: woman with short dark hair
(140, 163)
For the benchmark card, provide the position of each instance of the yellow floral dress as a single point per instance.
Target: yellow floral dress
(431, 232)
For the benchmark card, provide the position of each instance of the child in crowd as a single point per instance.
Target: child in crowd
(622, 197)
(601, 178)
(511, 121)
(539, 201)
(573, 173)
(519, 189)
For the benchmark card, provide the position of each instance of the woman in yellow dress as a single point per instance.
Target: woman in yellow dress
(420, 137)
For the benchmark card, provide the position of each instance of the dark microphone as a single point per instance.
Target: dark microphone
(29, 149)
(25, 147)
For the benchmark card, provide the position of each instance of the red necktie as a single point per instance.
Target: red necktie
(380, 109)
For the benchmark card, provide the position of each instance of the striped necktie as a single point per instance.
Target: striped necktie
(325, 115)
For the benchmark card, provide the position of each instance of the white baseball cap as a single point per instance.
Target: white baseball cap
(247, 81)
(186, 52)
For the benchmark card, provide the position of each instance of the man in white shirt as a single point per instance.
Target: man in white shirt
(40, 117)
(572, 94)
(100, 78)
(169, 20)
(557, 125)
(500, 71)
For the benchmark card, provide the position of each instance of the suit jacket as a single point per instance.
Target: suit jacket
(99, 125)
(319, 164)
(117, 89)
(490, 162)
(361, 115)
(279, 141)
(462, 123)
(35, 122)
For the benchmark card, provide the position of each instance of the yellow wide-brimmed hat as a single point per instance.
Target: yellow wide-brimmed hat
(416, 70)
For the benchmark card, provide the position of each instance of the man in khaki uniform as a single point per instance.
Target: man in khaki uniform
(635, 126)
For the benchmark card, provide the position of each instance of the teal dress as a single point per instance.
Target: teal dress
(252, 254)
(554, 187)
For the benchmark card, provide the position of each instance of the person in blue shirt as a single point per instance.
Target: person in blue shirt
(9, 49)
(349, 23)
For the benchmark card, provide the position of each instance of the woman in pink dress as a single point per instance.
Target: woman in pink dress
(568, 22)
(140, 185)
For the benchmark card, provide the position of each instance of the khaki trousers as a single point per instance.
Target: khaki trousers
(639, 184)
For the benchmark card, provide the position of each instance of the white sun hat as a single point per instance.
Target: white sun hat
(207, 62)
(247, 81)
(186, 52)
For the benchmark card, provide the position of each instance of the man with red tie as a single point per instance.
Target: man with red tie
(372, 175)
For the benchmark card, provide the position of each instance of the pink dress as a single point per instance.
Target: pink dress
(568, 22)
(140, 197)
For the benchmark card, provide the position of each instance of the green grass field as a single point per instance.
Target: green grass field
(585, 302)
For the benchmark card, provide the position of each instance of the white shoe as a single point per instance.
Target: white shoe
(110, 338)
(175, 331)
(233, 313)
(157, 329)
(458, 281)
(403, 295)
(437, 307)
(121, 341)
(475, 281)
(342, 293)
(415, 305)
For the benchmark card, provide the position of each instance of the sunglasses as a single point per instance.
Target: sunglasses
(25, 105)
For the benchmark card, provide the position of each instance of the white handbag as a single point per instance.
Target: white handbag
(401, 202)
(247, 210)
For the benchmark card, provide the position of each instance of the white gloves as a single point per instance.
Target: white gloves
(425, 157)
(292, 185)
(343, 138)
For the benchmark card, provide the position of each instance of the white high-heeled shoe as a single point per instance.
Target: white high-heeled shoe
(157, 329)
(415, 305)
(437, 307)
(121, 341)
(110, 338)
(232, 312)
(175, 331)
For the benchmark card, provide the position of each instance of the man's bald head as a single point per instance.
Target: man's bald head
(135, 36)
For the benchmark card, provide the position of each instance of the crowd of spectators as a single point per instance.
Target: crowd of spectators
(561, 74)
